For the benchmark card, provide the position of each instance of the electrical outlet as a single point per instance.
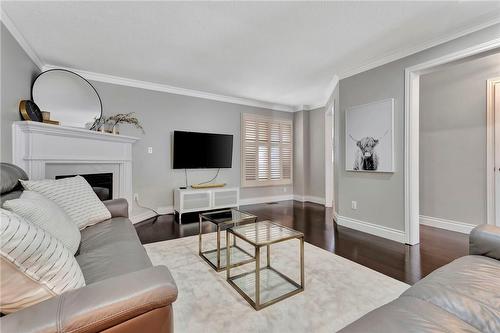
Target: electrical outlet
(354, 204)
(284, 189)
(136, 197)
(150, 150)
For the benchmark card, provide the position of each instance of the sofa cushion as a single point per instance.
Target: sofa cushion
(10, 175)
(75, 196)
(468, 288)
(34, 265)
(409, 315)
(44, 213)
(111, 248)
(10, 195)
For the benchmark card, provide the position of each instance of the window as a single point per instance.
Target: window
(266, 151)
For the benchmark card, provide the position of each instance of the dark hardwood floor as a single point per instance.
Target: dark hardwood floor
(405, 263)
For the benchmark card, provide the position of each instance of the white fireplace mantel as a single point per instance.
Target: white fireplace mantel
(35, 146)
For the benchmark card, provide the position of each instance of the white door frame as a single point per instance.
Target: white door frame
(490, 151)
(329, 164)
(412, 128)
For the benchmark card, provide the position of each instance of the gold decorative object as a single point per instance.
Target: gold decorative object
(30, 111)
(211, 185)
(52, 122)
(46, 115)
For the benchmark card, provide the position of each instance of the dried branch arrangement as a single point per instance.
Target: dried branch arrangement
(121, 118)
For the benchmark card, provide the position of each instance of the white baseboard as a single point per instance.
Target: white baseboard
(165, 210)
(143, 215)
(452, 225)
(139, 217)
(260, 200)
(309, 198)
(370, 228)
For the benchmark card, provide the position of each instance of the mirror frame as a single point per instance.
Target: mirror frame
(81, 77)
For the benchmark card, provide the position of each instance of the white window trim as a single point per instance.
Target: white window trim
(269, 182)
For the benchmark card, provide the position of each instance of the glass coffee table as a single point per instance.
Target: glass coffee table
(224, 219)
(264, 285)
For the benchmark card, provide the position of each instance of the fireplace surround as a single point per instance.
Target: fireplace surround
(47, 151)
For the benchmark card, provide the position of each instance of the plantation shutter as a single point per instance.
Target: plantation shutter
(266, 149)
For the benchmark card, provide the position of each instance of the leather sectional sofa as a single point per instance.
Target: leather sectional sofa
(124, 292)
(463, 296)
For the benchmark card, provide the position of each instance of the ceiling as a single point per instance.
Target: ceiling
(280, 53)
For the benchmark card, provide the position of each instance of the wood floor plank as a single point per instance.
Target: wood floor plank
(402, 262)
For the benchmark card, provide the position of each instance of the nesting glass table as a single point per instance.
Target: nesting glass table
(264, 285)
(224, 219)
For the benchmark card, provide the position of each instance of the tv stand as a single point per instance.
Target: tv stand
(197, 200)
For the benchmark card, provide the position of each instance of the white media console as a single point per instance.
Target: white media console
(195, 200)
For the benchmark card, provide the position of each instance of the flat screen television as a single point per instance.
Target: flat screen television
(194, 150)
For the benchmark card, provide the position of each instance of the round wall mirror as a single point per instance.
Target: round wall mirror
(69, 98)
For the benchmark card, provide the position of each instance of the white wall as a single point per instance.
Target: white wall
(453, 140)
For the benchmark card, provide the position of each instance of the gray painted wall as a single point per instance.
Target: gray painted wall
(309, 162)
(315, 185)
(335, 99)
(380, 196)
(452, 170)
(161, 113)
(18, 72)
(301, 154)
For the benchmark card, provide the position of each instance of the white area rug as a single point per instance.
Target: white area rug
(337, 291)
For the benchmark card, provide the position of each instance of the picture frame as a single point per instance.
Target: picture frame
(369, 137)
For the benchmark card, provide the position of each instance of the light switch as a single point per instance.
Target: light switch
(150, 150)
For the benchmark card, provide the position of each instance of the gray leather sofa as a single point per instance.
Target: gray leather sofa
(124, 292)
(463, 296)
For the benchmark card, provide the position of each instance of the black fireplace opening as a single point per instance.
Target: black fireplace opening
(102, 183)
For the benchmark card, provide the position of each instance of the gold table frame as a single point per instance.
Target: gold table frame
(257, 305)
(203, 254)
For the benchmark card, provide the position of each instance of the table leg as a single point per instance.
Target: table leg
(199, 237)
(228, 256)
(218, 247)
(257, 277)
(269, 256)
(302, 282)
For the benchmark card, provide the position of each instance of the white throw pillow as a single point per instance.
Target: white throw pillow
(34, 265)
(75, 196)
(44, 213)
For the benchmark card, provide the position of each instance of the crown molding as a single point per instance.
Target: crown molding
(20, 39)
(137, 83)
(393, 56)
(402, 53)
(93, 76)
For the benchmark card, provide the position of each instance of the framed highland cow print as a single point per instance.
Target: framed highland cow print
(369, 141)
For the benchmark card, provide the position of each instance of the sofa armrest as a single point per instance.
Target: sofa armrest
(117, 207)
(484, 240)
(97, 306)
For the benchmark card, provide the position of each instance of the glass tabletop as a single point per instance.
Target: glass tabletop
(227, 216)
(264, 233)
